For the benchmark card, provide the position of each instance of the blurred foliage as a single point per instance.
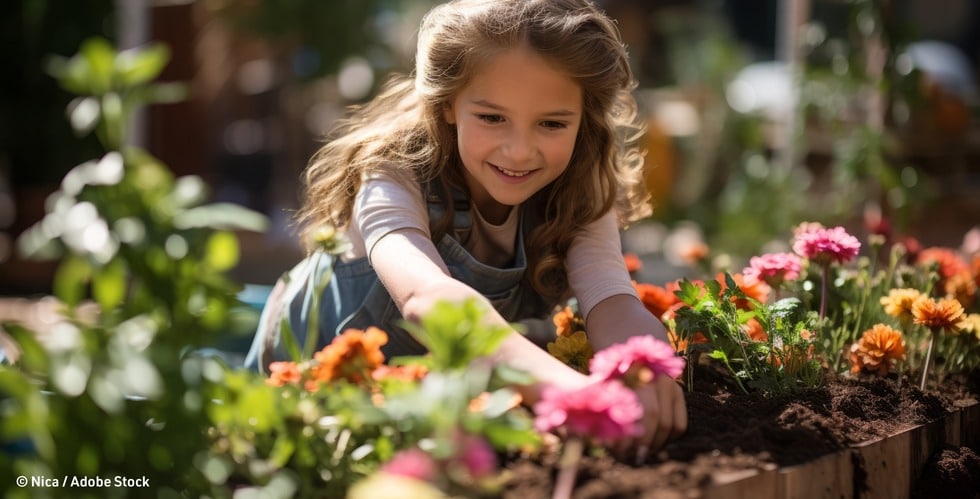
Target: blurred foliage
(112, 391)
(846, 154)
(319, 36)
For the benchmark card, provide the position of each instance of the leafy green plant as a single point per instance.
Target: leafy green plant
(111, 390)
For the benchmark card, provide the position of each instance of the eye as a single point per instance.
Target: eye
(554, 125)
(491, 118)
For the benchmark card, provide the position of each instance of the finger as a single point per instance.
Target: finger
(680, 416)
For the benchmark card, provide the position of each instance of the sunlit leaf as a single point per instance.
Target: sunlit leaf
(71, 279)
(109, 284)
(140, 65)
(100, 55)
(223, 216)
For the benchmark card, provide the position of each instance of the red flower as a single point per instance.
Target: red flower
(655, 298)
(633, 262)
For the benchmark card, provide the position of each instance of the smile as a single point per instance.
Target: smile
(512, 173)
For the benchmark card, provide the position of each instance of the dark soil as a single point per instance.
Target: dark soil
(729, 431)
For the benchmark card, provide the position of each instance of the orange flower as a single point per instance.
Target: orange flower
(948, 260)
(410, 372)
(694, 253)
(753, 329)
(878, 350)
(946, 313)
(680, 345)
(758, 290)
(633, 262)
(351, 356)
(899, 302)
(567, 321)
(283, 373)
(962, 288)
(655, 298)
(479, 404)
(975, 269)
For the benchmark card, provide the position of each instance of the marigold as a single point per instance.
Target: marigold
(283, 373)
(694, 253)
(754, 331)
(962, 288)
(825, 246)
(947, 260)
(409, 372)
(757, 290)
(633, 262)
(574, 350)
(351, 356)
(945, 313)
(878, 350)
(655, 298)
(899, 302)
(567, 321)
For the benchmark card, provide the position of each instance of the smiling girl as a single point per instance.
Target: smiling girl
(501, 172)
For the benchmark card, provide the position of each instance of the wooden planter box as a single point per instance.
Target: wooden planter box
(886, 468)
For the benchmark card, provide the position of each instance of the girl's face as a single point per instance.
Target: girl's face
(516, 123)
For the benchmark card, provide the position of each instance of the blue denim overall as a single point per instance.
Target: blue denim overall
(356, 298)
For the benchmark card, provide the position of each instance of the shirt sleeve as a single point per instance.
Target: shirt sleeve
(387, 203)
(595, 266)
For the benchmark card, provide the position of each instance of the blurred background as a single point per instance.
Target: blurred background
(762, 114)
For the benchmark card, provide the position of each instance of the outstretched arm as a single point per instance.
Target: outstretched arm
(615, 320)
(410, 267)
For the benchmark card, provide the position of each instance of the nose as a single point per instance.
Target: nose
(520, 145)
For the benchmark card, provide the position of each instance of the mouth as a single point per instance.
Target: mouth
(512, 173)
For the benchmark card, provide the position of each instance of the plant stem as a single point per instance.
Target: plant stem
(823, 291)
(571, 456)
(925, 367)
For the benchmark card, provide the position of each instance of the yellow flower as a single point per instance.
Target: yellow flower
(878, 350)
(574, 350)
(971, 325)
(946, 313)
(899, 302)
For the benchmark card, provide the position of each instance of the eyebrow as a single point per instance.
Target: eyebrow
(491, 105)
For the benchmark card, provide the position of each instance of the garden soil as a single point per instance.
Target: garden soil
(729, 431)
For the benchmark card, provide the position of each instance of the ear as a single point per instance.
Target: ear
(448, 114)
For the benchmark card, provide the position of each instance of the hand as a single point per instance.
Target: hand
(664, 418)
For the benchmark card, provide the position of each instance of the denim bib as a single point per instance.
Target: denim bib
(356, 298)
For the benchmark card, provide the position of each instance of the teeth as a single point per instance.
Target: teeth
(511, 173)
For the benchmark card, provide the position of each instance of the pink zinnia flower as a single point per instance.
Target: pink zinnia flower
(606, 411)
(638, 353)
(823, 246)
(773, 268)
(477, 457)
(412, 463)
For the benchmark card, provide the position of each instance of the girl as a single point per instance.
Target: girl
(501, 172)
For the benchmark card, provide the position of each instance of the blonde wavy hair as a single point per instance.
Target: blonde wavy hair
(404, 127)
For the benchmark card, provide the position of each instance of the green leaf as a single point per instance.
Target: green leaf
(71, 278)
(141, 65)
(33, 356)
(100, 56)
(225, 216)
(221, 253)
(109, 284)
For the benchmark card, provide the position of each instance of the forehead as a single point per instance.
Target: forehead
(522, 78)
